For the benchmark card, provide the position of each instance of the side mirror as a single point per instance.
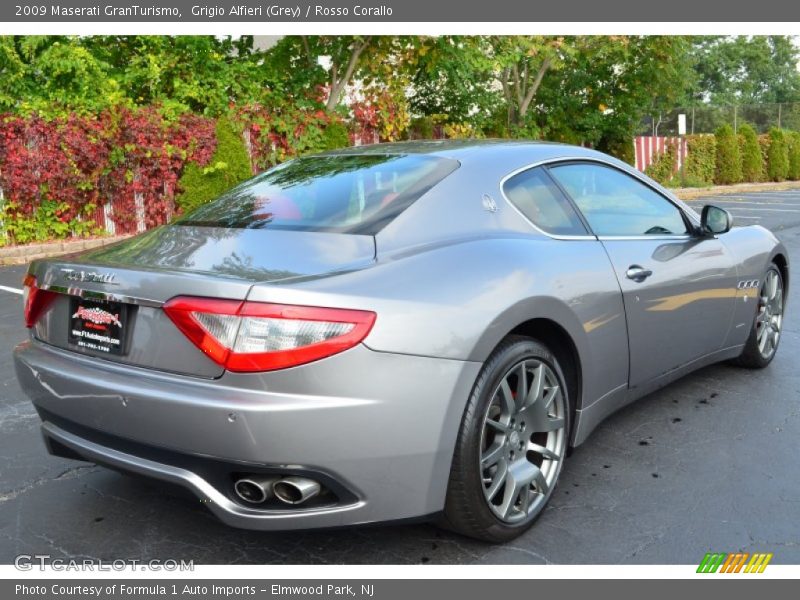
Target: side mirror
(715, 220)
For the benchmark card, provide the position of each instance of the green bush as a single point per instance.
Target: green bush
(47, 222)
(663, 167)
(335, 136)
(752, 161)
(701, 159)
(763, 143)
(421, 128)
(229, 166)
(729, 161)
(777, 156)
(687, 181)
(794, 156)
(621, 148)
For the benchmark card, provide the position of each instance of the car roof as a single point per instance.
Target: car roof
(472, 150)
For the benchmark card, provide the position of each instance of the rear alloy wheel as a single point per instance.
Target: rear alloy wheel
(512, 443)
(766, 331)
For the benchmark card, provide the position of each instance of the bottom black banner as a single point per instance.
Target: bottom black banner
(386, 589)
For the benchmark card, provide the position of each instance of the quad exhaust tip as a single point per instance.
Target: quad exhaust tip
(257, 489)
(295, 490)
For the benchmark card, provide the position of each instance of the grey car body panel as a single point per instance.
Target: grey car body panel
(683, 310)
(423, 307)
(449, 278)
(387, 434)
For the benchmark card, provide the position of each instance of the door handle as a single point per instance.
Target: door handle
(637, 273)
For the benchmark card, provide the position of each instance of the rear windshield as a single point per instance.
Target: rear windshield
(345, 193)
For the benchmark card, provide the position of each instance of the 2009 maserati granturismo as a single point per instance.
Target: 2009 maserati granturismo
(411, 330)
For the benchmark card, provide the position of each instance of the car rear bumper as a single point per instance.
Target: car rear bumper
(377, 429)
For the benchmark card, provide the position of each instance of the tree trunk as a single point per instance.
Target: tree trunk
(531, 92)
(338, 84)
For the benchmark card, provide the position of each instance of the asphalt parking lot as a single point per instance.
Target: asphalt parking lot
(776, 210)
(707, 464)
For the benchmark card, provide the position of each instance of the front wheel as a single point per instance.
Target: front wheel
(761, 345)
(512, 443)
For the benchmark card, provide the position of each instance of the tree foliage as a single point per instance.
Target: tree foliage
(606, 85)
(452, 80)
(143, 107)
(746, 69)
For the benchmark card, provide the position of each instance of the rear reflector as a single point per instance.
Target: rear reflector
(34, 299)
(255, 336)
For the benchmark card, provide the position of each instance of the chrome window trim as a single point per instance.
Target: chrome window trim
(596, 159)
(102, 296)
(678, 237)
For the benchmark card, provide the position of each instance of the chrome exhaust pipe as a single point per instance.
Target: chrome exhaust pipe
(255, 489)
(295, 490)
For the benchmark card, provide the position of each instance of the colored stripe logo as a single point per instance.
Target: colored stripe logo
(734, 562)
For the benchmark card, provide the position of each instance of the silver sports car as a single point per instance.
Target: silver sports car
(398, 331)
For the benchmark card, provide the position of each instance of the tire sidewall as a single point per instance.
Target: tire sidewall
(752, 354)
(469, 440)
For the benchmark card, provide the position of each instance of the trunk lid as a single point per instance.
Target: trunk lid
(133, 278)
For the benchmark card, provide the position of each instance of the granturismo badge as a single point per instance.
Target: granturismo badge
(91, 276)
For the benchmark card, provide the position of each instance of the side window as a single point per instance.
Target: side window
(540, 200)
(615, 203)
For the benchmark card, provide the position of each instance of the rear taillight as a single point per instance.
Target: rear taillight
(255, 336)
(34, 299)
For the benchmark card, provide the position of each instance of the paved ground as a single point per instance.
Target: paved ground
(774, 210)
(709, 463)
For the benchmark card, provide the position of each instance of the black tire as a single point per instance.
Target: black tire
(752, 357)
(467, 510)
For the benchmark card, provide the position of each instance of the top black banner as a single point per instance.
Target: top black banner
(450, 11)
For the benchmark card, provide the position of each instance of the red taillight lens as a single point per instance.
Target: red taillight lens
(35, 300)
(255, 336)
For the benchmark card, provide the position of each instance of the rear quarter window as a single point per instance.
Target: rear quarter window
(537, 197)
(358, 194)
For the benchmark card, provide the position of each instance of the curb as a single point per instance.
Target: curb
(20, 255)
(739, 188)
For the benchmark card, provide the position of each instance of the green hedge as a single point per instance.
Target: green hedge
(729, 160)
(763, 143)
(229, 166)
(777, 156)
(752, 161)
(701, 161)
(662, 168)
(727, 157)
(794, 156)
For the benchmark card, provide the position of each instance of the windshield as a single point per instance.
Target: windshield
(345, 193)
